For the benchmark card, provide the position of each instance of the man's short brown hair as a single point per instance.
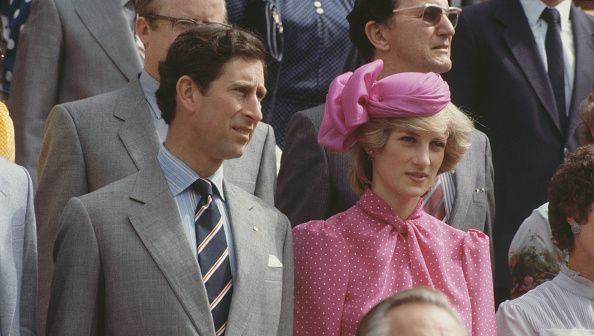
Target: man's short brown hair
(201, 54)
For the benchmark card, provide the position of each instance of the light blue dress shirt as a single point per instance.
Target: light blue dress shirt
(180, 178)
(149, 86)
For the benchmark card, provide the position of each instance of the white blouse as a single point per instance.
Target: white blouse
(562, 306)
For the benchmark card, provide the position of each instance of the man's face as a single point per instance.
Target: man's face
(158, 36)
(416, 46)
(226, 114)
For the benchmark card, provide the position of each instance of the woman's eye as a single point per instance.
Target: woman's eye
(440, 144)
(407, 139)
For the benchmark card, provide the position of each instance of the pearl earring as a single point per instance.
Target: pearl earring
(575, 228)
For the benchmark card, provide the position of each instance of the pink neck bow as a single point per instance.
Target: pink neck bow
(354, 98)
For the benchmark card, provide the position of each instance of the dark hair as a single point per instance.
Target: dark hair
(364, 11)
(145, 7)
(201, 54)
(571, 193)
(587, 120)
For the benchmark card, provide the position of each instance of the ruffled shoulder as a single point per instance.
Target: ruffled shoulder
(476, 240)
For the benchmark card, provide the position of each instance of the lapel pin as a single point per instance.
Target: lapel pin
(255, 228)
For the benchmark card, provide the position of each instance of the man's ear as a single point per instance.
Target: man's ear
(188, 93)
(375, 34)
(142, 27)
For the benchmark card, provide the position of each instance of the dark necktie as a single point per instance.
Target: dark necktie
(556, 66)
(435, 201)
(213, 255)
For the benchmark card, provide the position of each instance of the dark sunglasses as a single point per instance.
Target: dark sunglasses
(431, 14)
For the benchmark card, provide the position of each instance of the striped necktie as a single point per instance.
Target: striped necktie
(435, 201)
(213, 255)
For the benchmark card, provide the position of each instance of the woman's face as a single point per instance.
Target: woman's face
(408, 164)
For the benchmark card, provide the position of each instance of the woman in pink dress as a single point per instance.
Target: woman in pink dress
(402, 131)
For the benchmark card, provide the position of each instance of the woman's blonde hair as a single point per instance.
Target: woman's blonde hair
(372, 137)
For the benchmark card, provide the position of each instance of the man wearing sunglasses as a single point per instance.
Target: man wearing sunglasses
(408, 35)
(93, 142)
(523, 79)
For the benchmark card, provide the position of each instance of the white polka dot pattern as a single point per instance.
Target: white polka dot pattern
(348, 263)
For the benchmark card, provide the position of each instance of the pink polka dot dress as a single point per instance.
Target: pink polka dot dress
(348, 263)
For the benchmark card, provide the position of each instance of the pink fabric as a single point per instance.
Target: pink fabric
(353, 98)
(353, 260)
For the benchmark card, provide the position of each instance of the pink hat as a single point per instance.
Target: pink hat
(354, 98)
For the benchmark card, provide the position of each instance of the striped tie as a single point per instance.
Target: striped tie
(435, 201)
(213, 255)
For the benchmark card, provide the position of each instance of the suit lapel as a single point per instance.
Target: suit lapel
(7, 273)
(584, 58)
(520, 40)
(463, 199)
(250, 257)
(107, 24)
(158, 224)
(137, 132)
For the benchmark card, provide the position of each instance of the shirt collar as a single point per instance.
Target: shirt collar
(533, 9)
(149, 86)
(180, 176)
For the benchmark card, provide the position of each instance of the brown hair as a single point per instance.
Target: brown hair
(201, 54)
(587, 120)
(372, 137)
(571, 194)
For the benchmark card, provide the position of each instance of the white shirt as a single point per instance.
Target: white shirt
(560, 307)
(149, 87)
(533, 9)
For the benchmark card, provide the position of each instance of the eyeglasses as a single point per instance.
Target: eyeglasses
(179, 25)
(431, 14)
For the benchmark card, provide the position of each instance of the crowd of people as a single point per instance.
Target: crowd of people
(414, 138)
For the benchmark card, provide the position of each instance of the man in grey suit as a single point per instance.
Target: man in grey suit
(313, 182)
(68, 50)
(18, 252)
(137, 257)
(93, 142)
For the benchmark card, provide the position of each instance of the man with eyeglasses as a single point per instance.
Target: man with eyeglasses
(412, 35)
(523, 78)
(93, 142)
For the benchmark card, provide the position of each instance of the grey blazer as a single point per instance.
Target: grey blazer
(313, 182)
(18, 251)
(68, 50)
(123, 261)
(93, 142)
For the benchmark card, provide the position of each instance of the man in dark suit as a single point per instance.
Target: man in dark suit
(177, 249)
(500, 57)
(313, 182)
(68, 50)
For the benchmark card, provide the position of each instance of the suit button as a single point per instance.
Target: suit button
(320, 11)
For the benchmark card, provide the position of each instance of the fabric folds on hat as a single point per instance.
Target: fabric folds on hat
(355, 97)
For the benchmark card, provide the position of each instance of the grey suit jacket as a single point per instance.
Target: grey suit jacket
(93, 142)
(18, 251)
(124, 267)
(313, 182)
(68, 50)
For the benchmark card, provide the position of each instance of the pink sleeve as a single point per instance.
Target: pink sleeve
(477, 271)
(321, 277)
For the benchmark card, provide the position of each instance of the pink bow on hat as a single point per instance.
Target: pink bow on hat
(353, 98)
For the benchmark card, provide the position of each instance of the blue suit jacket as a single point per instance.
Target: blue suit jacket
(500, 78)
(18, 251)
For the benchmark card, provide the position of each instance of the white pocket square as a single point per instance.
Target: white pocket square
(273, 261)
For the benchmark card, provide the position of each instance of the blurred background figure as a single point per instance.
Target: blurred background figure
(563, 304)
(68, 50)
(316, 50)
(419, 311)
(522, 67)
(18, 239)
(13, 15)
(533, 258)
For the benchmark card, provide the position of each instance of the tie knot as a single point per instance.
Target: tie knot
(203, 187)
(551, 16)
